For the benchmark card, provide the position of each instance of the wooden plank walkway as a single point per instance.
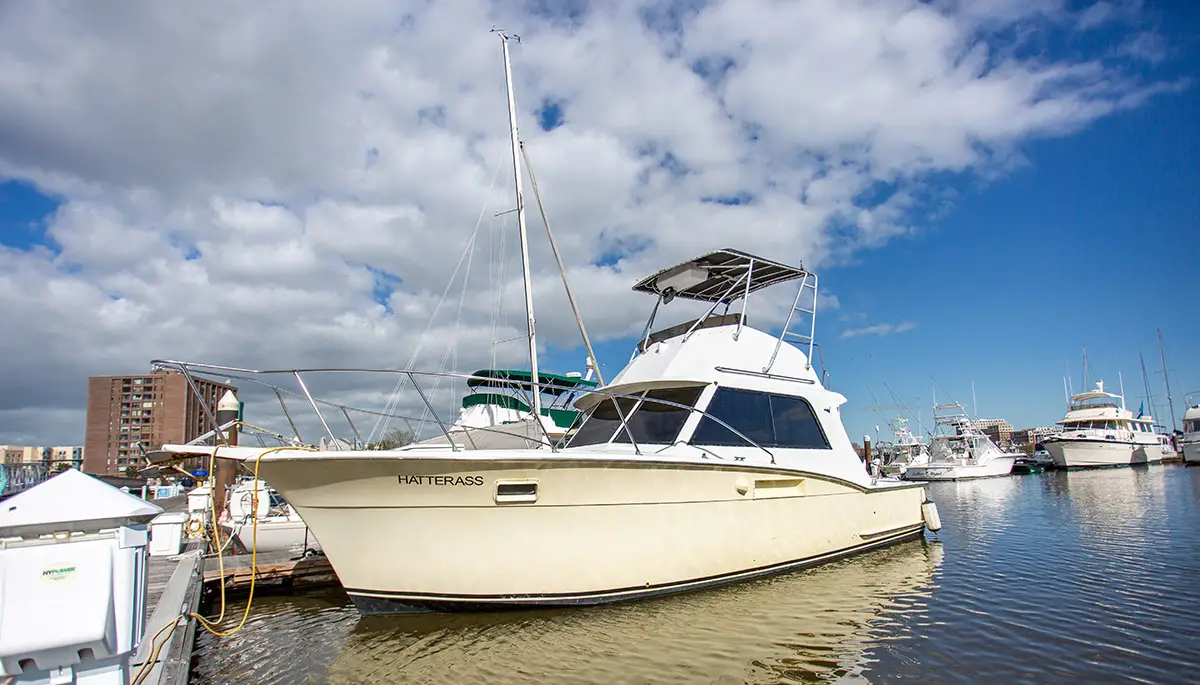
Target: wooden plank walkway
(173, 588)
(273, 569)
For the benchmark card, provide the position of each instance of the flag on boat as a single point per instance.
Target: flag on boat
(1141, 409)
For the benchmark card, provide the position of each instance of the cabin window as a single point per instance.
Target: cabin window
(603, 421)
(1192, 426)
(654, 422)
(768, 419)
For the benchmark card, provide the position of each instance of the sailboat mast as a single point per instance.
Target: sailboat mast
(516, 151)
(1146, 385)
(1166, 379)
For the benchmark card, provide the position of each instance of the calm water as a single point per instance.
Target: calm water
(1039, 578)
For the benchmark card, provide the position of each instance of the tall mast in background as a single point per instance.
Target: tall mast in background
(1166, 379)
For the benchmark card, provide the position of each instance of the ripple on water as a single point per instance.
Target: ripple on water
(1086, 575)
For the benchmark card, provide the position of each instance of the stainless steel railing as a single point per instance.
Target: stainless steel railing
(262, 379)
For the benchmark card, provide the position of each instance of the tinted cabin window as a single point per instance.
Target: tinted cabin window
(654, 422)
(767, 419)
(747, 412)
(795, 424)
(602, 422)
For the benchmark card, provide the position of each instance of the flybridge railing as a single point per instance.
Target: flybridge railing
(466, 435)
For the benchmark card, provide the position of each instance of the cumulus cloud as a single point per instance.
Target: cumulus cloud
(879, 329)
(292, 184)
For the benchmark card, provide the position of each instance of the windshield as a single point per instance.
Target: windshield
(649, 422)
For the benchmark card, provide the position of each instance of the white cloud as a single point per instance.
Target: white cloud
(879, 329)
(292, 184)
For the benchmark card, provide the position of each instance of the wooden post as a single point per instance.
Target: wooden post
(225, 470)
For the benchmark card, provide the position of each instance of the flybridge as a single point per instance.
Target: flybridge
(723, 277)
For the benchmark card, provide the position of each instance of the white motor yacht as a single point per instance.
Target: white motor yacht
(1099, 431)
(716, 455)
(960, 451)
(497, 413)
(279, 528)
(1190, 442)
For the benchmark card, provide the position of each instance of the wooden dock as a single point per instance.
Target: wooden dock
(175, 588)
(173, 591)
(277, 569)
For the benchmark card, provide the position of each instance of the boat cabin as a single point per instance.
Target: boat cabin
(717, 385)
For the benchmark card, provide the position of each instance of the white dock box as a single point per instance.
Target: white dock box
(166, 534)
(72, 581)
(198, 498)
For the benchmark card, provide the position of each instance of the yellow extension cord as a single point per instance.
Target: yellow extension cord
(208, 625)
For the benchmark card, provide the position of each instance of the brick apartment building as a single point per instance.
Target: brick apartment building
(149, 409)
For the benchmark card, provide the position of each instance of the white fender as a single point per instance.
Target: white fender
(929, 512)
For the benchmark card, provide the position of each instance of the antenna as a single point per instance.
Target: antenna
(1066, 393)
(1085, 369)
(974, 402)
(1067, 378)
(1121, 384)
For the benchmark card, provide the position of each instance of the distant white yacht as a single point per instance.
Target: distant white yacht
(1191, 430)
(1099, 431)
(959, 450)
(496, 414)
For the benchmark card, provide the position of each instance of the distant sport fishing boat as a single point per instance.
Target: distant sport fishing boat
(959, 450)
(904, 451)
(716, 455)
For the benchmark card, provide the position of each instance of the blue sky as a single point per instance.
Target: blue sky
(1090, 243)
(1051, 150)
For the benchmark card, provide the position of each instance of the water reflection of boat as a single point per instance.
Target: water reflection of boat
(816, 624)
(1114, 503)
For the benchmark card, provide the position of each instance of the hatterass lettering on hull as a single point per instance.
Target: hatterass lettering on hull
(476, 481)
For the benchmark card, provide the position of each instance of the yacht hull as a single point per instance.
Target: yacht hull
(1083, 453)
(1149, 454)
(428, 534)
(1191, 452)
(1000, 466)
